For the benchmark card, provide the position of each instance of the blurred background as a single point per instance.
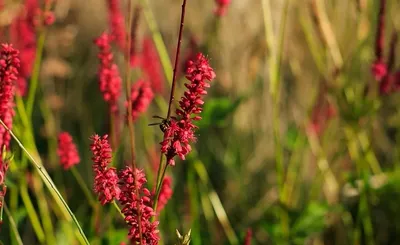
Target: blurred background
(298, 141)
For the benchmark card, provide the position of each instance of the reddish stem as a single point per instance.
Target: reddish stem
(379, 42)
(178, 51)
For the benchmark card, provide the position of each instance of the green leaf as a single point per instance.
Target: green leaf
(311, 221)
(216, 111)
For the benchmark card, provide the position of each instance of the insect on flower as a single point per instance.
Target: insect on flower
(164, 124)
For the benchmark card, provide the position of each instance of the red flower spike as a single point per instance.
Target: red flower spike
(23, 36)
(180, 133)
(249, 235)
(106, 178)
(110, 81)
(141, 97)
(9, 65)
(380, 36)
(222, 6)
(131, 182)
(67, 151)
(379, 70)
(116, 22)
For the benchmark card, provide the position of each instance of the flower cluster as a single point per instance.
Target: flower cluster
(67, 151)
(9, 65)
(389, 80)
(110, 81)
(141, 97)
(180, 133)
(106, 178)
(222, 6)
(44, 17)
(165, 193)
(117, 24)
(23, 36)
(136, 202)
(127, 187)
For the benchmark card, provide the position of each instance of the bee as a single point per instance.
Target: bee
(164, 124)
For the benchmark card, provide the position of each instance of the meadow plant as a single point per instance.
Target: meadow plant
(67, 151)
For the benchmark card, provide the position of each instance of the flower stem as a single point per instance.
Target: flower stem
(158, 188)
(118, 209)
(178, 51)
(35, 73)
(84, 187)
(160, 175)
(130, 119)
(157, 39)
(13, 226)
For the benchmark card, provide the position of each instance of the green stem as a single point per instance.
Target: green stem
(37, 227)
(130, 119)
(84, 187)
(118, 209)
(158, 189)
(13, 225)
(274, 62)
(35, 73)
(363, 173)
(44, 211)
(216, 203)
(158, 41)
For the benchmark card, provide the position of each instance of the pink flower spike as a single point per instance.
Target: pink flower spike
(222, 6)
(379, 70)
(67, 151)
(137, 209)
(180, 133)
(106, 178)
(110, 81)
(141, 97)
(249, 235)
(9, 65)
(117, 23)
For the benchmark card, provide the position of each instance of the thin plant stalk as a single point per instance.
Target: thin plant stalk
(33, 216)
(363, 171)
(158, 187)
(49, 183)
(44, 211)
(35, 73)
(171, 97)
(216, 203)
(130, 119)
(274, 62)
(13, 225)
(84, 187)
(158, 41)
(178, 51)
(118, 209)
